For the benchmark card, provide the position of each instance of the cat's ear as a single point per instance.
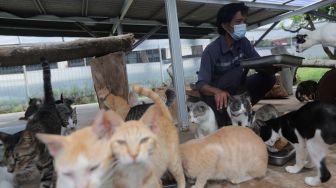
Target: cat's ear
(4, 136)
(105, 123)
(54, 143)
(152, 117)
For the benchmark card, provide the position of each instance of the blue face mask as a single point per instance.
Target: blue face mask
(238, 32)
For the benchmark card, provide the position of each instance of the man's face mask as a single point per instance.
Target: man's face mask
(238, 31)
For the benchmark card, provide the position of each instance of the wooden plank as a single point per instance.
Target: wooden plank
(55, 52)
(110, 82)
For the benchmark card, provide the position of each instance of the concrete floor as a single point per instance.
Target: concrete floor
(275, 177)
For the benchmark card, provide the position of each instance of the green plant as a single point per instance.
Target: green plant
(310, 74)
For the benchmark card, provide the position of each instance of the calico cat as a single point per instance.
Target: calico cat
(231, 153)
(311, 130)
(239, 109)
(25, 156)
(145, 149)
(306, 91)
(203, 116)
(33, 105)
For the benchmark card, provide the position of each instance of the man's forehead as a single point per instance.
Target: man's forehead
(239, 16)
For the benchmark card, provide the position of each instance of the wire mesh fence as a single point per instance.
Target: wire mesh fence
(73, 78)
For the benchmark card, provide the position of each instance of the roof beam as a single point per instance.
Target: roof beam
(191, 12)
(40, 7)
(158, 11)
(86, 29)
(249, 4)
(85, 7)
(292, 13)
(287, 2)
(263, 35)
(145, 37)
(323, 15)
(123, 12)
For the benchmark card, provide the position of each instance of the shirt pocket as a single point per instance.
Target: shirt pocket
(222, 65)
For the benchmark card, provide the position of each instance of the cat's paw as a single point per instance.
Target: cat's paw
(312, 181)
(293, 169)
(309, 164)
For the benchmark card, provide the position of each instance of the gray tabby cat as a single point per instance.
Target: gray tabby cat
(264, 113)
(24, 155)
(240, 109)
(203, 116)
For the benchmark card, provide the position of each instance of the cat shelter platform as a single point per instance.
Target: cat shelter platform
(282, 60)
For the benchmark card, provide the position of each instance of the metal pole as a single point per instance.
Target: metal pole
(162, 76)
(176, 55)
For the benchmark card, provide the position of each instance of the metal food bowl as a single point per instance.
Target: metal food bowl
(281, 157)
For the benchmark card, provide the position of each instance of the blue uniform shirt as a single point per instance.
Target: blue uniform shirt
(220, 65)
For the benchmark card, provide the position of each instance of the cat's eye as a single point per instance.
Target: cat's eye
(93, 168)
(68, 174)
(121, 142)
(144, 140)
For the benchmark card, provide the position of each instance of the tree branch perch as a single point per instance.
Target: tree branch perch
(16, 56)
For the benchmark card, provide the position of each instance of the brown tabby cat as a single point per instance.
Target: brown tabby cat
(145, 149)
(232, 153)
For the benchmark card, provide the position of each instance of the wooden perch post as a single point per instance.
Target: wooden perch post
(323, 63)
(16, 56)
(110, 81)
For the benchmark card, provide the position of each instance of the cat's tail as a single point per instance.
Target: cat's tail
(155, 97)
(48, 92)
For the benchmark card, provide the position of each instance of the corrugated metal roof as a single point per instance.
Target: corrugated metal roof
(84, 18)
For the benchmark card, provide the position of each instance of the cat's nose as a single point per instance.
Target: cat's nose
(134, 156)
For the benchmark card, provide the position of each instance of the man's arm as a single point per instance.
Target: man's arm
(221, 96)
(204, 78)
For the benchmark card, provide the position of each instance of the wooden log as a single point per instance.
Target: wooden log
(55, 52)
(323, 63)
(110, 81)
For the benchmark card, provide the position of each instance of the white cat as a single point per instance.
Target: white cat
(202, 115)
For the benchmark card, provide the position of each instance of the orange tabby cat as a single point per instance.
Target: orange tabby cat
(81, 159)
(161, 91)
(232, 153)
(114, 102)
(145, 149)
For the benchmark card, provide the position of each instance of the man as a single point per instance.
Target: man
(220, 74)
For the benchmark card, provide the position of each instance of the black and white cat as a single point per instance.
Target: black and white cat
(203, 116)
(306, 91)
(239, 109)
(311, 130)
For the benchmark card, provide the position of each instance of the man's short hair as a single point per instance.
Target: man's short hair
(227, 12)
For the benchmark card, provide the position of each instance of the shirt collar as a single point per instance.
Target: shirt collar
(225, 48)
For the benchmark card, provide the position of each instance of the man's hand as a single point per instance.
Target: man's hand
(221, 99)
